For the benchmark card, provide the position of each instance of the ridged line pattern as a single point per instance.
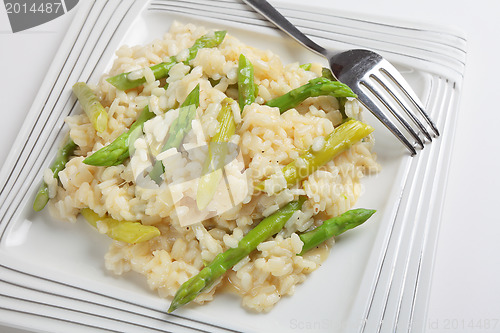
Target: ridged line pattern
(400, 299)
(443, 52)
(395, 298)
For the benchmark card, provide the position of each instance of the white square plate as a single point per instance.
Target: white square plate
(52, 276)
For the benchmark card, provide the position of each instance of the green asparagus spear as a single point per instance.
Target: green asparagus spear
(122, 82)
(181, 126)
(178, 130)
(268, 227)
(217, 152)
(327, 73)
(246, 85)
(204, 42)
(341, 139)
(306, 66)
(91, 105)
(316, 87)
(42, 196)
(334, 227)
(118, 150)
(125, 231)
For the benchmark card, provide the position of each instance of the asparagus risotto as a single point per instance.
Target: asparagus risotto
(217, 139)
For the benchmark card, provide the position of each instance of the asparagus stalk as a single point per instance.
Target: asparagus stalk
(316, 87)
(225, 260)
(181, 126)
(334, 227)
(247, 92)
(42, 196)
(207, 41)
(341, 139)
(306, 66)
(125, 231)
(217, 152)
(246, 85)
(161, 70)
(118, 151)
(327, 73)
(91, 105)
(178, 129)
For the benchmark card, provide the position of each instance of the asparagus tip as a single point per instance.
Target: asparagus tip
(172, 307)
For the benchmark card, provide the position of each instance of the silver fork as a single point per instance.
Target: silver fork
(363, 68)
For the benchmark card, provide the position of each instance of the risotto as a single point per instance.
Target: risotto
(263, 142)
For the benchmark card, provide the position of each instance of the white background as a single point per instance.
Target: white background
(466, 280)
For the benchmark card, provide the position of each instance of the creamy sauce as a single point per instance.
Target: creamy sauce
(227, 287)
(318, 254)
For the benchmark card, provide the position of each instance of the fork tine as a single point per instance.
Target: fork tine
(378, 93)
(375, 110)
(398, 79)
(385, 84)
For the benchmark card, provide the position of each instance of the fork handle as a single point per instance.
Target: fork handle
(268, 11)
